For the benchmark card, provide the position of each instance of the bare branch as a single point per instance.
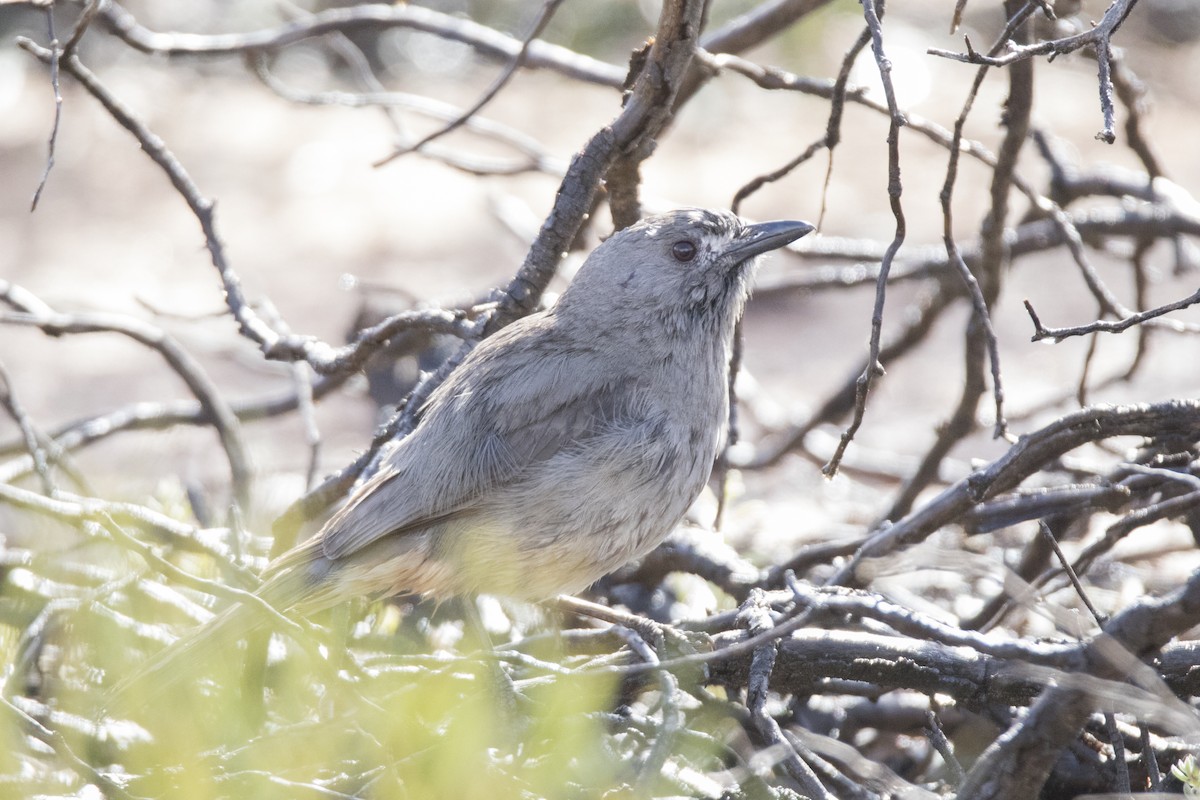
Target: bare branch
(759, 24)
(1030, 453)
(214, 406)
(1021, 760)
(758, 622)
(896, 120)
(1103, 326)
(1099, 37)
(647, 110)
(485, 40)
(1104, 29)
(533, 157)
(29, 435)
(548, 9)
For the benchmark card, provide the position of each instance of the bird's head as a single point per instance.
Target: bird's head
(686, 264)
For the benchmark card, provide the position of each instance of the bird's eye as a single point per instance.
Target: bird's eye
(683, 251)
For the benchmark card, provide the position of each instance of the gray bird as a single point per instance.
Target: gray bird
(563, 446)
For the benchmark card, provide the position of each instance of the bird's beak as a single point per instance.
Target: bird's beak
(764, 236)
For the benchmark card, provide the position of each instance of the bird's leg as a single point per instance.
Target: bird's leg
(505, 690)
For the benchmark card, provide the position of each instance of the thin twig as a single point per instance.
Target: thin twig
(896, 120)
(1020, 761)
(181, 363)
(1044, 529)
(483, 39)
(757, 623)
(77, 511)
(55, 58)
(1149, 758)
(979, 339)
(544, 16)
(1098, 36)
(59, 745)
(532, 156)
(672, 717)
(979, 302)
(833, 128)
(29, 434)
(937, 738)
(1117, 742)
(1104, 326)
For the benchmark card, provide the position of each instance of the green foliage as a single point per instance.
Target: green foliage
(412, 726)
(1187, 772)
(382, 701)
(418, 726)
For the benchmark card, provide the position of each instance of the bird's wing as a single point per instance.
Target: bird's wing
(472, 443)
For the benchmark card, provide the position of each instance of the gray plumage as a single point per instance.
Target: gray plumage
(564, 445)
